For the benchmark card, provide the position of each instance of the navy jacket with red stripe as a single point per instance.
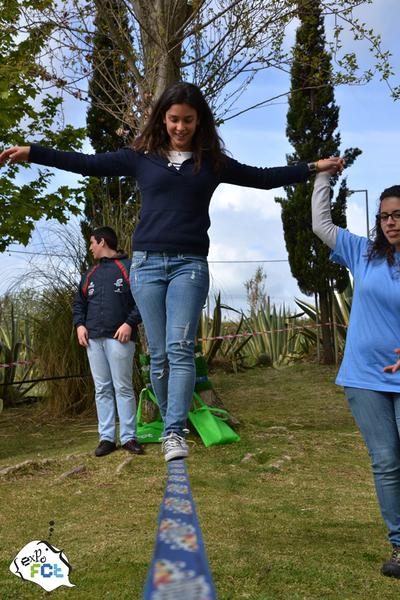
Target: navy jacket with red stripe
(104, 300)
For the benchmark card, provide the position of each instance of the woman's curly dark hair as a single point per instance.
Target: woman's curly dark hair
(380, 247)
(154, 137)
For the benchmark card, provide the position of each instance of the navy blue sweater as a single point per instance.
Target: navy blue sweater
(174, 212)
(104, 301)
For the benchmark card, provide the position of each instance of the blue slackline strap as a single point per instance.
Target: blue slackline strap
(179, 569)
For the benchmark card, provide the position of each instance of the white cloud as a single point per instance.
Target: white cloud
(258, 203)
(246, 226)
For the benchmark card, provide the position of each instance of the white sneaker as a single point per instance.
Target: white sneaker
(174, 446)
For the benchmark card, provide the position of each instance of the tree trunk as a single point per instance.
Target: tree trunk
(163, 25)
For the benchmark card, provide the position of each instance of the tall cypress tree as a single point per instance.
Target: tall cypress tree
(312, 122)
(110, 201)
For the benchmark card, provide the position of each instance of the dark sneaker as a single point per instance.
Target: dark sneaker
(133, 447)
(391, 568)
(105, 447)
(174, 446)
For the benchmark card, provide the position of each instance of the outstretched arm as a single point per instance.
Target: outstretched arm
(268, 178)
(322, 223)
(121, 162)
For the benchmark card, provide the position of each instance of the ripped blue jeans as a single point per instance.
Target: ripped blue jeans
(170, 291)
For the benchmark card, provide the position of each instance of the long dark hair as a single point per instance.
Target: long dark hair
(154, 137)
(380, 247)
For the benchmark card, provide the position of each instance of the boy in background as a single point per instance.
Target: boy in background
(106, 318)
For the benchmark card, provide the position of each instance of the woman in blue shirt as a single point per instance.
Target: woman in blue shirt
(178, 161)
(371, 386)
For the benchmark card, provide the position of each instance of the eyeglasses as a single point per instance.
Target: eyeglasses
(383, 217)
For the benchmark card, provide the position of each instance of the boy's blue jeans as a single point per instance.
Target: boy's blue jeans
(170, 291)
(111, 364)
(377, 415)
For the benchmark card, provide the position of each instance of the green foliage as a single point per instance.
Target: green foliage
(271, 336)
(59, 354)
(277, 341)
(60, 359)
(27, 113)
(341, 317)
(17, 85)
(15, 346)
(211, 331)
(342, 306)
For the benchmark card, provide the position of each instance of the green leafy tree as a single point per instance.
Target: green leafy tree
(312, 122)
(28, 113)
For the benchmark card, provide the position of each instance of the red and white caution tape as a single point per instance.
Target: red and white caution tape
(231, 336)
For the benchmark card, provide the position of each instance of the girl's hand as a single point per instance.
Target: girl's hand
(396, 366)
(15, 154)
(332, 165)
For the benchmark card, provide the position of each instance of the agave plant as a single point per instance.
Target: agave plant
(15, 348)
(275, 341)
(342, 306)
(212, 331)
(341, 315)
(270, 336)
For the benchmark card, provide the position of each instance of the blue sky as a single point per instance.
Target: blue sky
(246, 223)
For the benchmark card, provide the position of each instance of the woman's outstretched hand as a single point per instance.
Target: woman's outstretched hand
(332, 165)
(15, 154)
(396, 366)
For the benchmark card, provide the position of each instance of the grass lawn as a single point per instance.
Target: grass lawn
(288, 513)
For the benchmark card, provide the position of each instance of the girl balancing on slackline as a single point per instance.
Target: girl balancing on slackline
(178, 161)
(371, 383)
